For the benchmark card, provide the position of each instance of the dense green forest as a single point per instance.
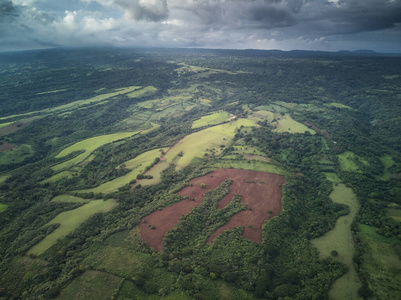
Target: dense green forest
(96, 144)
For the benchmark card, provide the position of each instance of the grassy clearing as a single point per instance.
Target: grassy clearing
(3, 207)
(156, 172)
(77, 104)
(350, 162)
(3, 178)
(69, 199)
(381, 264)
(204, 141)
(146, 91)
(69, 221)
(89, 145)
(340, 240)
(282, 122)
(273, 108)
(388, 162)
(338, 105)
(212, 119)
(252, 165)
(16, 155)
(332, 177)
(51, 92)
(118, 260)
(5, 124)
(91, 285)
(58, 177)
(137, 165)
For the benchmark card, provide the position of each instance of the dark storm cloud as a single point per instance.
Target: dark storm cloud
(6, 8)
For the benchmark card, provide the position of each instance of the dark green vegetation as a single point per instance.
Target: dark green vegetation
(351, 103)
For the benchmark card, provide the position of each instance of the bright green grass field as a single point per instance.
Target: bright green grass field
(332, 177)
(381, 264)
(252, 165)
(69, 199)
(5, 124)
(69, 221)
(137, 165)
(283, 123)
(212, 119)
(348, 161)
(3, 178)
(3, 207)
(91, 285)
(56, 177)
(340, 240)
(156, 172)
(196, 144)
(89, 145)
(16, 155)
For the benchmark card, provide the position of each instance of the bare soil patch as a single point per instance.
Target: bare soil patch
(261, 192)
(6, 147)
(13, 128)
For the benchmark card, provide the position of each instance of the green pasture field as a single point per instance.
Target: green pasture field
(148, 90)
(156, 172)
(213, 119)
(89, 145)
(381, 264)
(349, 161)
(69, 199)
(77, 104)
(137, 165)
(5, 124)
(338, 105)
(120, 261)
(282, 123)
(273, 108)
(3, 178)
(51, 92)
(91, 285)
(252, 165)
(58, 177)
(287, 104)
(340, 240)
(3, 207)
(69, 221)
(204, 141)
(16, 155)
(332, 177)
(388, 162)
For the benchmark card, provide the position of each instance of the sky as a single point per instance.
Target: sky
(328, 25)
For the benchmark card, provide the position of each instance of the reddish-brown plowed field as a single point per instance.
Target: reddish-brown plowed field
(260, 192)
(6, 147)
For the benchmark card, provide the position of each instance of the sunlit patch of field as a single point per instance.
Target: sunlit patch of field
(69, 221)
(209, 140)
(3, 178)
(381, 264)
(213, 119)
(51, 92)
(91, 285)
(16, 155)
(137, 166)
(338, 105)
(69, 199)
(282, 122)
(88, 145)
(349, 162)
(146, 91)
(156, 172)
(273, 108)
(340, 239)
(3, 207)
(252, 165)
(5, 124)
(77, 104)
(59, 176)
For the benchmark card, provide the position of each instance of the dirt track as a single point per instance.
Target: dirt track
(260, 192)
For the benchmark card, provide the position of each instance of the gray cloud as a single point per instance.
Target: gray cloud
(264, 24)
